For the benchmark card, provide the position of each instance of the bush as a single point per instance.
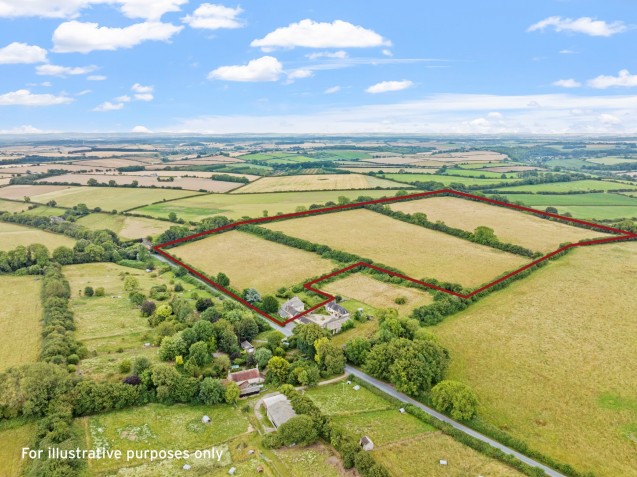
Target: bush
(125, 366)
(88, 291)
(455, 399)
(299, 430)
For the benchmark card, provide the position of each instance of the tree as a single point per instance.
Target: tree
(456, 399)
(356, 350)
(203, 330)
(418, 367)
(484, 235)
(306, 336)
(172, 217)
(222, 279)
(246, 328)
(163, 312)
(199, 353)
(88, 291)
(63, 255)
(251, 295)
(211, 391)
(131, 283)
(140, 364)
(262, 356)
(303, 373)
(270, 304)
(301, 430)
(148, 308)
(171, 347)
(226, 338)
(232, 393)
(278, 369)
(329, 357)
(203, 304)
(551, 210)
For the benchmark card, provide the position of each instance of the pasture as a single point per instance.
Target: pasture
(584, 185)
(414, 250)
(250, 205)
(12, 439)
(316, 182)
(317, 460)
(509, 225)
(446, 180)
(11, 207)
(125, 226)
(19, 321)
(250, 261)
(552, 358)
(481, 174)
(377, 294)
(12, 235)
(19, 192)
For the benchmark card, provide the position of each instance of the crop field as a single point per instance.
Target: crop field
(12, 235)
(250, 205)
(203, 174)
(278, 157)
(19, 321)
(12, 440)
(250, 261)
(317, 182)
(108, 198)
(612, 160)
(364, 288)
(125, 226)
(387, 170)
(509, 225)
(446, 180)
(112, 162)
(414, 250)
(552, 358)
(481, 174)
(395, 160)
(573, 186)
(19, 192)
(11, 207)
(512, 168)
(471, 156)
(44, 211)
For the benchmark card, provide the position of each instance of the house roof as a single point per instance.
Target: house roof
(279, 409)
(366, 440)
(294, 303)
(246, 345)
(245, 375)
(336, 307)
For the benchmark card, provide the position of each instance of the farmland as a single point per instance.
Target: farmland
(445, 179)
(19, 321)
(414, 250)
(584, 185)
(509, 225)
(12, 235)
(249, 205)
(12, 440)
(252, 262)
(527, 352)
(125, 226)
(317, 182)
(11, 207)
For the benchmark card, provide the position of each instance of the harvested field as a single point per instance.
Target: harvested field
(446, 180)
(472, 156)
(11, 207)
(512, 169)
(19, 321)
(394, 160)
(125, 226)
(203, 174)
(111, 163)
(364, 288)
(19, 192)
(365, 170)
(418, 252)
(12, 440)
(12, 235)
(552, 358)
(509, 225)
(317, 182)
(250, 261)
(31, 168)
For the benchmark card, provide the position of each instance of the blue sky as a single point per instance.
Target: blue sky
(281, 66)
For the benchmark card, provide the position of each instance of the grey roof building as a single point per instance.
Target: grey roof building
(291, 308)
(278, 409)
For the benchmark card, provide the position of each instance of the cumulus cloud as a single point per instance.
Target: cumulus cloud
(149, 9)
(123, 99)
(341, 54)
(567, 83)
(142, 93)
(332, 90)
(141, 129)
(386, 86)
(266, 68)
(24, 97)
(310, 34)
(586, 25)
(22, 53)
(623, 78)
(96, 78)
(64, 71)
(79, 37)
(299, 74)
(214, 17)
(108, 106)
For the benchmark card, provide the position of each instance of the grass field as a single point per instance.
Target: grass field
(318, 460)
(12, 235)
(509, 225)
(612, 160)
(44, 211)
(416, 251)
(125, 226)
(340, 399)
(446, 180)
(250, 261)
(108, 198)
(12, 440)
(19, 321)
(573, 186)
(583, 206)
(10, 206)
(482, 174)
(316, 182)
(377, 294)
(546, 354)
(250, 205)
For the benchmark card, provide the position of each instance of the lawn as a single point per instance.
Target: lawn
(378, 294)
(341, 399)
(12, 235)
(545, 354)
(125, 226)
(252, 262)
(366, 329)
(19, 321)
(416, 251)
(584, 185)
(12, 440)
(316, 182)
(250, 205)
(509, 225)
(446, 180)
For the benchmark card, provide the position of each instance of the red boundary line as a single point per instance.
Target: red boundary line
(309, 286)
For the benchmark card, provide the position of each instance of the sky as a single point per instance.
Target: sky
(333, 67)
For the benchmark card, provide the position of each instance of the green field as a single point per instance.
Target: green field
(12, 440)
(573, 186)
(446, 180)
(249, 205)
(568, 163)
(478, 174)
(582, 206)
(12, 235)
(612, 160)
(10, 206)
(43, 211)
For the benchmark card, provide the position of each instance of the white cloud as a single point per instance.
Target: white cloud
(623, 78)
(64, 71)
(81, 37)
(24, 97)
(585, 25)
(24, 129)
(568, 52)
(332, 90)
(266, 68)
(108, 106)
(310, 34)
(123, 99)
(341, 54)
(567, 83)
(387, 52)
(214, 17)
(21, 53)
(606, 118)
(96, 78)
(386, 86)
(141, 129)
(299, 74)
(84, 92)
(142, 93)
(148, 9)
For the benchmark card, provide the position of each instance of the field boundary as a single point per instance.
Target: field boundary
(621, 235)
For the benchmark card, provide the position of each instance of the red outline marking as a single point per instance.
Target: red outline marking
(309, 286)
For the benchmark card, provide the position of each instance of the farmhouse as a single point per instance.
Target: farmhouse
(337, 311)
(291, 308)
(249, 381)
(278, 409)
(327, 322)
